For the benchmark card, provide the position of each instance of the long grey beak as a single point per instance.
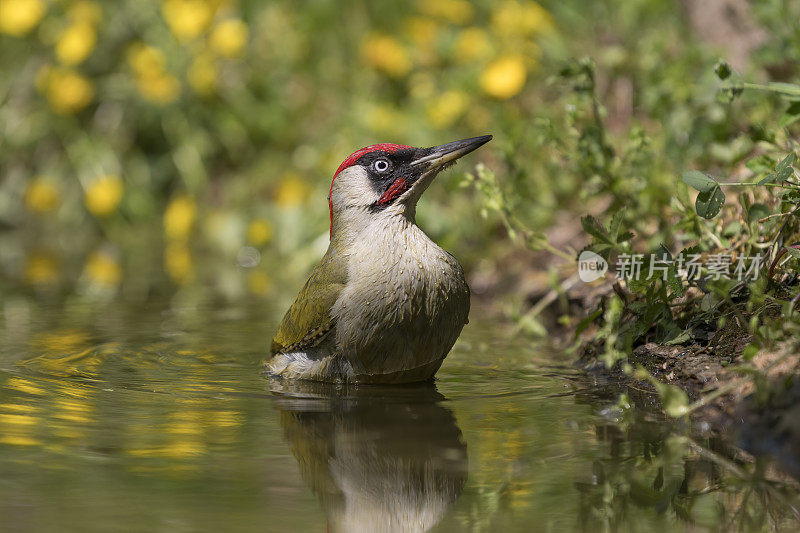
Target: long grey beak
(445, 153)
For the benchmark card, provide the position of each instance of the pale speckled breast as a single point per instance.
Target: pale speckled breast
(404, 308)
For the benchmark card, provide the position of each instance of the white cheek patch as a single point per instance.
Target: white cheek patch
(353, 188)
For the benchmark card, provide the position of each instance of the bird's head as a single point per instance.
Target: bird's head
(388, 179)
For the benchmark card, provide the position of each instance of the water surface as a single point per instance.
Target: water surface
(160, 418)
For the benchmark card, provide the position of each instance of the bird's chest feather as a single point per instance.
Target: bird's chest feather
(405, 294)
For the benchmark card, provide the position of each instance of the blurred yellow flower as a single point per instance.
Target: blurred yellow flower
(259, 232)
(41, 196)
(446, 108)
(103, 195)
(187, 18)
(76, 43)
(179, 217)
(292, 190)
(85, 11)
(145, 59)
(455, 11)
(504, 77)
(229, 38)
(152, 80)
(67, 91)
(471, 44)
(521, 18)
(178, 261)
(386, 54)
(18, 17)
(202, 74)
(161, 88)
(258, 282)
(103, 269)
(41, 269)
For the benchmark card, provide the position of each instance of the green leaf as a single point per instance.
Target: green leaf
(674, 400)
(679, 339)
(769, 178)
(616, 222)
(794, 252)
(785, 163)
(699, 181)
(595, 229)
(749, 352)
(709, 203)
(628, 235)
(675, 282)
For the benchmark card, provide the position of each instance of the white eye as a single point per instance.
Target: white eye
(381, 165)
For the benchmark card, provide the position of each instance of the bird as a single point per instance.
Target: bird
(385, 304)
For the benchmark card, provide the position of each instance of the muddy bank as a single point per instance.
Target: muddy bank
(762, 415)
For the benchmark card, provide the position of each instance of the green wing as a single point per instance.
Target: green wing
(309, 321)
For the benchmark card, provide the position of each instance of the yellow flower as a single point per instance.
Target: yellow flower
(41, 196)
(18, 17)
(146, 60)
(76, 43)
(258, 282)
(229, 38)
(455, 11)
(178, 261)
(179, 217)
(161, 89)
(386, 54)
(202, 74)
(67, 91)
(152, 80)
(103, 195)
(41, 269)
(292, 191)
(521, 18)
(259, 232)
(187, 18)
(446, 108)
(471, 44)
(504, 77)
(103, 269)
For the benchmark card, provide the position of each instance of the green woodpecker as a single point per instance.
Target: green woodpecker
(385, 304)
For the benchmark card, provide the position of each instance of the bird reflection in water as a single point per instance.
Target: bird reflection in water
(378, 458)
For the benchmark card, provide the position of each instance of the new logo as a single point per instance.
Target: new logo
(591, 266)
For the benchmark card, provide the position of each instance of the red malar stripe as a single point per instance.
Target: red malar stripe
(396, 189)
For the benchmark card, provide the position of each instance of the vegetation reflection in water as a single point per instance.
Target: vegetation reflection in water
(152, 426)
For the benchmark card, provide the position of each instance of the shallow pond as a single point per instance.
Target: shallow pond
(160, 418)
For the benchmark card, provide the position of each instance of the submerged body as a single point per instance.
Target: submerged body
(385, 304)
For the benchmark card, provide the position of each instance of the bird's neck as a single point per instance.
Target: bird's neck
(362, 226)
